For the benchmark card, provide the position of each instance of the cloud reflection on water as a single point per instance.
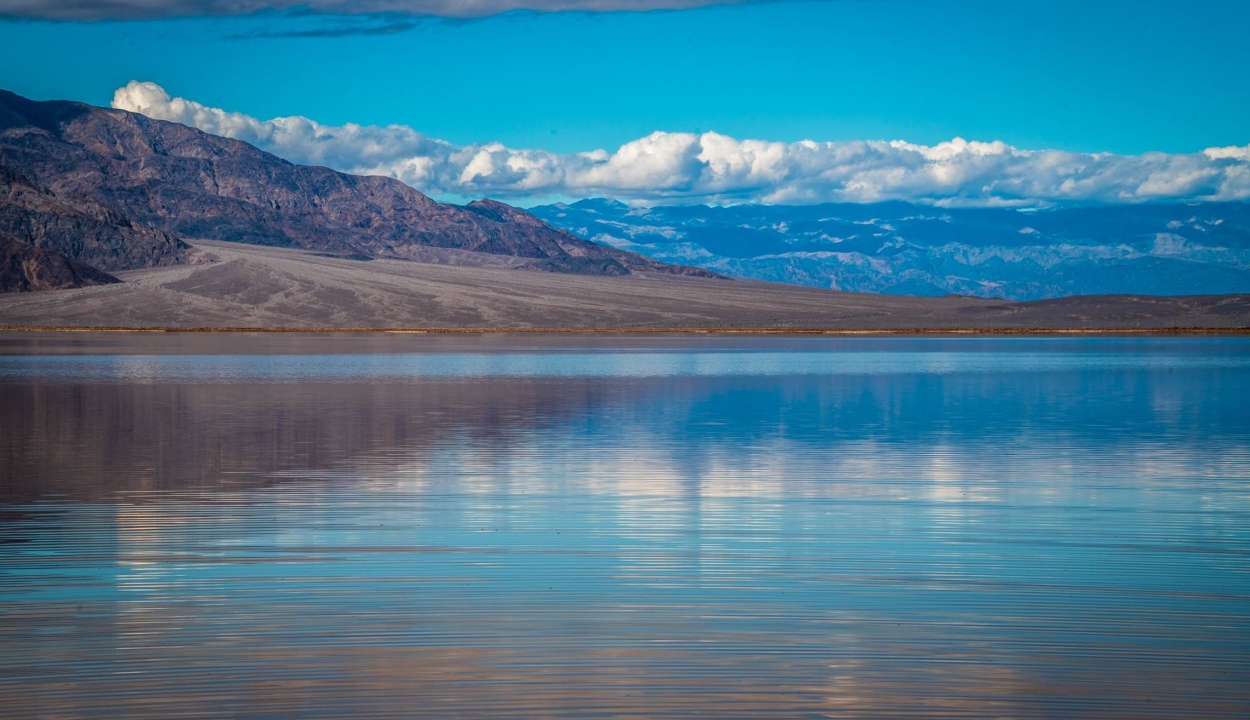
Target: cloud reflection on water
(1028, 544)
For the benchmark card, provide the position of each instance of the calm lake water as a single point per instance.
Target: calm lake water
(516, 527)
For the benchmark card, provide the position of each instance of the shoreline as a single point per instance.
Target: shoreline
(1232, 331)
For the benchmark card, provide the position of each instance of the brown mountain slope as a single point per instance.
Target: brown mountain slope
(81, 228)
(24, 267)
(187, 183)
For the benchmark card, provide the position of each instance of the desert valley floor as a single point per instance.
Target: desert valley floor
(251, 286)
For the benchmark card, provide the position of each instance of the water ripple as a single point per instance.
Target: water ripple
(965, 533)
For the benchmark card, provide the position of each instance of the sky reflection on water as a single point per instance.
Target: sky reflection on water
(876, 528)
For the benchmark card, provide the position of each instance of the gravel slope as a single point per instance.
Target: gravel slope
(251, 286)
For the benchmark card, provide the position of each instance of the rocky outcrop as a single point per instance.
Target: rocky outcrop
(79, 227)
(24, 267)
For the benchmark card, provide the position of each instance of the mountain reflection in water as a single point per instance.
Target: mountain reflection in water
(648, 527)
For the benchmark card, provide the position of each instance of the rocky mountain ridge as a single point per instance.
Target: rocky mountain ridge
(121, 191)
(902, 248)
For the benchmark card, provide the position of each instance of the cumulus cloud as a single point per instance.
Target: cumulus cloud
(149, 9)
(710, 167)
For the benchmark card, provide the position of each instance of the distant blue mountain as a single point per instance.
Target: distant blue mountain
(900, 248)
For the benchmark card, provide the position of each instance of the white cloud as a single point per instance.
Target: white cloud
(709, 167)
(148, 9)
(1239, 153)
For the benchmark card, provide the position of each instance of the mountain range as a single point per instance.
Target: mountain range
(901, 248)
(112, 190)
(146, 223)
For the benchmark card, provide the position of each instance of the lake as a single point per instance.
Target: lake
(500, 526)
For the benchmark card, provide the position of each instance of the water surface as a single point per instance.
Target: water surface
(624, 527)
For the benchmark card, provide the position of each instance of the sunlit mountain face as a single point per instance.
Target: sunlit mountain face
(903, 248)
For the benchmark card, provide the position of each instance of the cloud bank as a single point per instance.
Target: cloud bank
(152, 9)
(667, 167)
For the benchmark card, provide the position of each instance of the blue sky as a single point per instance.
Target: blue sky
(1090, 77)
